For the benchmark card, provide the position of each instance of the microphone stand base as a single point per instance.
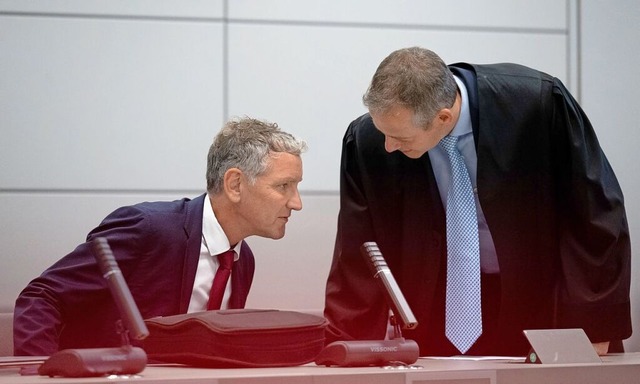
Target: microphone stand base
(90, 362)
(363, 353)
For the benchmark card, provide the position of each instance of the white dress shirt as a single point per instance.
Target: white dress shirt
(214, 242)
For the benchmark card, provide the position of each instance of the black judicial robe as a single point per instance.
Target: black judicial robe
(551, 200)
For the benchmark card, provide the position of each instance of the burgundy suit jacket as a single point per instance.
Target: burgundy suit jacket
(156, 245)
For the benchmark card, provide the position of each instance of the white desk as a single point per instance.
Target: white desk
(615, 369)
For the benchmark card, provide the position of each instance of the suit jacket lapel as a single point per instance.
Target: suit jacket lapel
(237, 299)
(241, 277)
(193, 233)
(466, 73)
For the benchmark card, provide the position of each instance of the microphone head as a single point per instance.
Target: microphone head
(373, 256)
(396, 300)
(104, 256)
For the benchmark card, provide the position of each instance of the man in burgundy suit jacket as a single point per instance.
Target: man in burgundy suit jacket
(252, 186)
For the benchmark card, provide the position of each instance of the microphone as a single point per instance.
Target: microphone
(119, 290)
(361, 353)
(126, 359)
(395, 298)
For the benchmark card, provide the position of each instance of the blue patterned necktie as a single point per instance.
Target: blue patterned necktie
(463, 314)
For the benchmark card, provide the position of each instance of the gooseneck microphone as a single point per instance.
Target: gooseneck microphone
(395, 298)
(104, 361)
(395, 352)
(131, 317)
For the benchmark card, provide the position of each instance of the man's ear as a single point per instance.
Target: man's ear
(445, 116)
(233, 179)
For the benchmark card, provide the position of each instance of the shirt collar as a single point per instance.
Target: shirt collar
(212, 233)
(463, 125)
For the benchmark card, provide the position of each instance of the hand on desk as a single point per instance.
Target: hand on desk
(601, 348)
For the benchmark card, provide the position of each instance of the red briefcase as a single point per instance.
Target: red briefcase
(236, 338)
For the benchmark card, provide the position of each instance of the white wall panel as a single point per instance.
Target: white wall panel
(291, 273)
(147, 8)
(107, 103)
(541, 14)
(310, 79)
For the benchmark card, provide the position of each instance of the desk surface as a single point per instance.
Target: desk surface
(618, 369)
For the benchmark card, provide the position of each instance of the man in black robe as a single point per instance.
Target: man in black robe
(553, 235)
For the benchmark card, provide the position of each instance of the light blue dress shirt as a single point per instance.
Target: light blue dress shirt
(442, 171)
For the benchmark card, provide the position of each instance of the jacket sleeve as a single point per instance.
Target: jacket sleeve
(354, 305)
(73, 282)
(595, 251)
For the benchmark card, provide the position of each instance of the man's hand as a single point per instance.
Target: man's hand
(601, 348)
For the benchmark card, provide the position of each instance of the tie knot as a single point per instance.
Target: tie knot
(449, 143)
(226, 259)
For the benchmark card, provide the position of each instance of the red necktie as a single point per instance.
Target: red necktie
(220, 280)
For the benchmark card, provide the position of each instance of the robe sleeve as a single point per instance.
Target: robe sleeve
(595, 251)
(354, 306)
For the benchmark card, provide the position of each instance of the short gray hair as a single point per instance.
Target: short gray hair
(246, 143)
(414, 78)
